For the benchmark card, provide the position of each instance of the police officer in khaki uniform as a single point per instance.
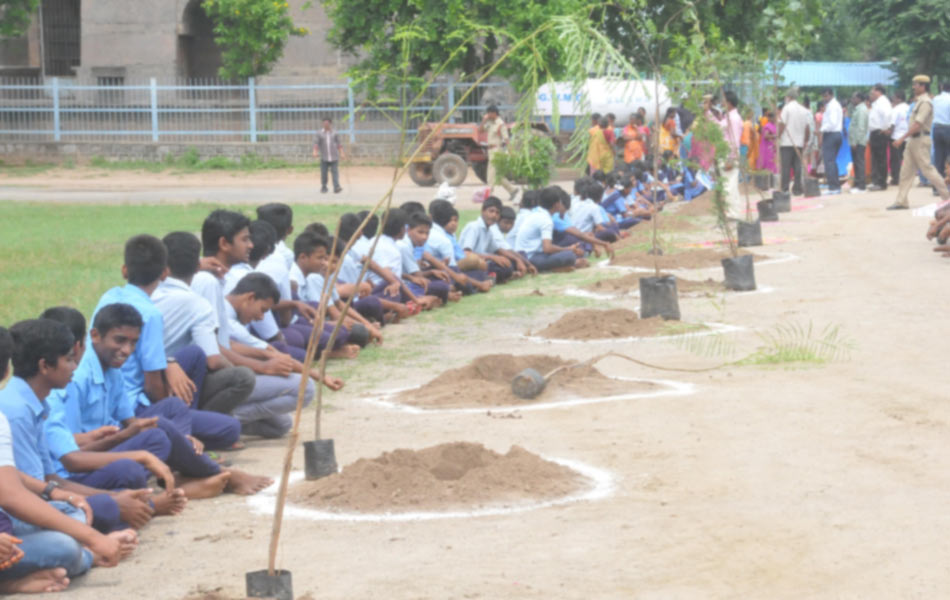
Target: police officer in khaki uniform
(497, 131)
(917, 152)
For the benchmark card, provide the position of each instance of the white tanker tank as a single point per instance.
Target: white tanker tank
(620, 97)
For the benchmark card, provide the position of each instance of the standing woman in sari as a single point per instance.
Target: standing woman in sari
(766, 160)
(600, 156)
(633, 140)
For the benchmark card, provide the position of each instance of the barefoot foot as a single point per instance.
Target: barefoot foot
(245, 484)
(39, 582)
(170, 503)
(347, 351)
(209, 487)
(128, 541)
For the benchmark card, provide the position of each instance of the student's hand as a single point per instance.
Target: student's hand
(392, 289)
(426, 302)
(213, 266)
(75, 500)
(438, 275)
(308, 312)
(158, 468)
(133, 507)
(179, 384)
(375, 334)
(196, 444)
(276, 366)
(334, 383)
(103, 432)
(531, 268)
(365, 289)
(502, 261)
(105, 550)
(137, 425)
(10, 553)
(578, 251)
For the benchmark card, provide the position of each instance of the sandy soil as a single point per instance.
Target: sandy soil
(818, 482)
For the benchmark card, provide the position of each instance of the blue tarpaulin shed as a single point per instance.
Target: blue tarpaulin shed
(837, 74)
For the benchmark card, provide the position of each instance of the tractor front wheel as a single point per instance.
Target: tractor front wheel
(450, 168)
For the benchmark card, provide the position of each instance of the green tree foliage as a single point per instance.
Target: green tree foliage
(15, 16)
(251, 34)
(455, 36)
(914, 32)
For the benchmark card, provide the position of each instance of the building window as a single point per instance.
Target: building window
(61, 34)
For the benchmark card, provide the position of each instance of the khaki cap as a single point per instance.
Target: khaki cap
(921, 79)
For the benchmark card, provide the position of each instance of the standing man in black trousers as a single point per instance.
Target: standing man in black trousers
(879, 122)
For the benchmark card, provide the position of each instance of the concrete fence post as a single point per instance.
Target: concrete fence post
(153, 101)
(252, 109)
(57, 135)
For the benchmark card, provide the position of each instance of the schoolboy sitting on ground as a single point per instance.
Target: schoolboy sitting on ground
(82, 431)
(535, 235)
(43, 543)
(439, 251)
(308, 277)
(150, 378)
(484, 238)
(190, 320)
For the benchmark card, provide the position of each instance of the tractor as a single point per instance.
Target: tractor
(450, 151)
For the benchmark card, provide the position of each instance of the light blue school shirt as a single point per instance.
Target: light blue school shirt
(482, 239)
(310, 287)
(350, 268)
(387, 256)
(266, 327)
(361, 246)
(440, 246)
(92, 399)
(149, 352)
(537, 227)
(26, 414)
(615, 204)
(519, 219)
(189, 319)
(6, 444)
(239, 331)
(561, 222)
(586, 215)
(941, 105)
(411, 254)
(211, 289)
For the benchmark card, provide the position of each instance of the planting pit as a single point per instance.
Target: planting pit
(594, 324)
(631, 283)
(448, 477)
(700, 258)
(486, 382)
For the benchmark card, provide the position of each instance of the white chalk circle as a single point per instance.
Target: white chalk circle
(712, 329)
(672, 388)
(635, 293)
(600, 484)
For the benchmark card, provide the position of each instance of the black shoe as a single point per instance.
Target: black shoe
(897, 207)
(874, 188)
(337, 190)
(324, 190)
(895, 183)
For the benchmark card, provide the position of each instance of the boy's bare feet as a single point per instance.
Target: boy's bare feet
(245, 484)
(39, 582)
(347, 351)
(482, 286)
(128, 541)
(581, 263)
(209, 487)
(455, 296)
(170, 503)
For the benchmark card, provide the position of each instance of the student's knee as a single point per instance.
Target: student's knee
(61, 550)
(105, 513)
(242, 380)
(124, 474)
(310, 392)
(565, 259)
(155, 441)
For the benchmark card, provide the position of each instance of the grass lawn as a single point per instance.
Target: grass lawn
(52, 255)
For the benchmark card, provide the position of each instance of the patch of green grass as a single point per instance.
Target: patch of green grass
(54, 255)
(191, 162)
(27, 169)
(678, 328)
(795, 344)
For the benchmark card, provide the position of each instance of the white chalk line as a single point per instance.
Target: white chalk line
(635, 293)
(674, 388)
(714, 329)
(601, 485)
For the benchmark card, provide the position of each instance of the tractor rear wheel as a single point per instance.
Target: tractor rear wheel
(421, 174)
(450, 168)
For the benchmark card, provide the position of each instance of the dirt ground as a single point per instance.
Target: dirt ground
(822, 481)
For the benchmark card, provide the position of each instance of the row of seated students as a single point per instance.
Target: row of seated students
(206, 342)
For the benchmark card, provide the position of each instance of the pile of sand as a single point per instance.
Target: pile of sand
(459, 475)
(631, 283)
(486, 381)
(688, 259)
(594, 324)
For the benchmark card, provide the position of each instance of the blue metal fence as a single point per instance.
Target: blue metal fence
(62, 110)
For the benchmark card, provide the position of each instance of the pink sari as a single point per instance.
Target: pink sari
(767, 149)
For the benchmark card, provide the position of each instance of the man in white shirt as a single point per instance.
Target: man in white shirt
(794, 128)
(879, 122)
(900, 114)
(831, 126)
(941, 128)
